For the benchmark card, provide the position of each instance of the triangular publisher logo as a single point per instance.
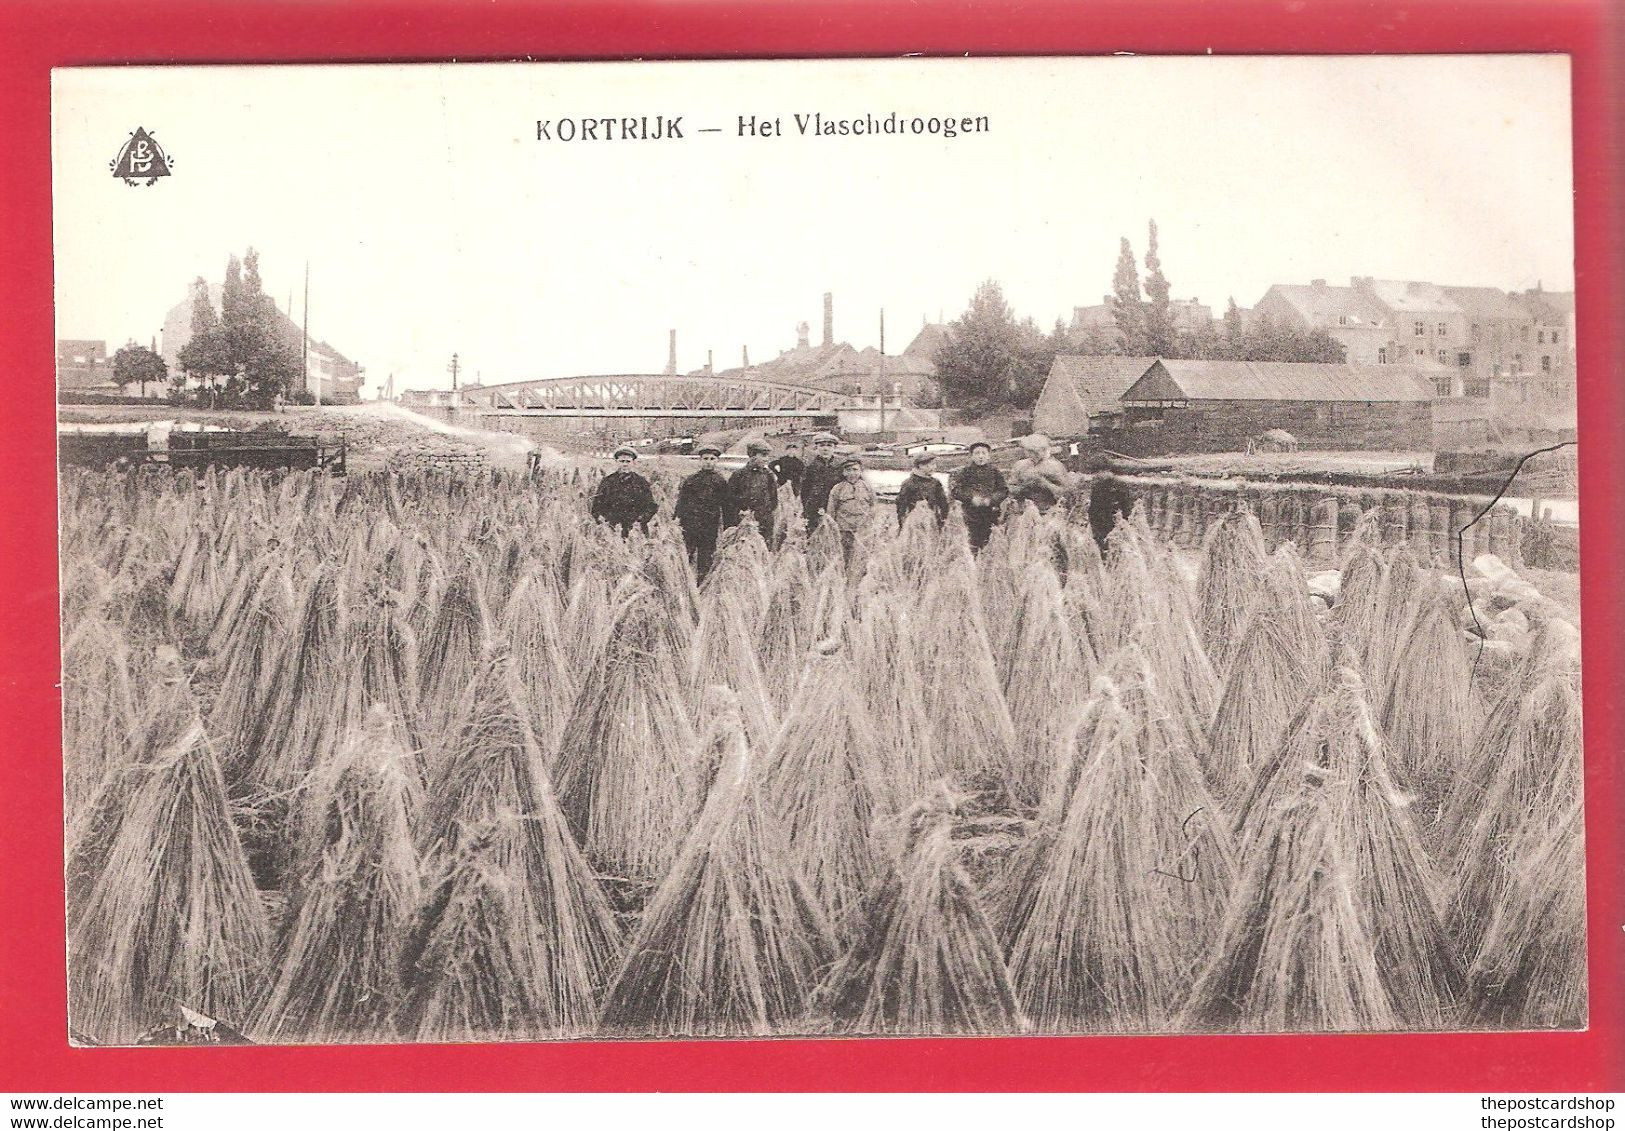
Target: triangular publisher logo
(141, 161)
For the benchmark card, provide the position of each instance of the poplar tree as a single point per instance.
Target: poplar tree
(1159, 320)
(1128, 306)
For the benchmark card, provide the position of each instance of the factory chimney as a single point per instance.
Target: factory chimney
(744, 356)
(708, 368)
(801, 335)
(671, 356)
(829, 319)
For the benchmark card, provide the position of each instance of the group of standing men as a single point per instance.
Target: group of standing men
(709, 502)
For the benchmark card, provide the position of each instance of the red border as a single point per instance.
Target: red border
(36, 35)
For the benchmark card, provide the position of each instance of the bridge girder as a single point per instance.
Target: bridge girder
(655, 395)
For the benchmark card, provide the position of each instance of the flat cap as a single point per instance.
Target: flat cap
(851, 461)
(758, 446)
(824, 438)
(627, 450)
(920, 459)
(712, 448)
(980, 444)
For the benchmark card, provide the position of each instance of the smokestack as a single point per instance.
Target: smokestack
(801, 335)
(671, 356)
(708, 368)
(829, 319)
(744, 356)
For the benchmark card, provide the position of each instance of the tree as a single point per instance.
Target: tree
(134, 364)
(1231, 341)
(204, 356)
(249, 344)
(1269, 340)
(1159, 319)
(1128, 307)
(990, 361)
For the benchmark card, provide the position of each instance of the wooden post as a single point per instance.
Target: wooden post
(1421, 528)
(1348, 516)
(1323, 530)
(1498, 535)
(1461, 513)
(1439, 530)
(1269, 510)
(1394, 525)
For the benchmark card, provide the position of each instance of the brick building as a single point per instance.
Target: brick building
(82, 364)
(1507, 348)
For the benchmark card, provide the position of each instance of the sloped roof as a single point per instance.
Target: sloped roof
(1098, 380)
(1547, 306)
(1280, 381)
(925, 344)
(1411, 297)
(1484, 303)
(1323, 305)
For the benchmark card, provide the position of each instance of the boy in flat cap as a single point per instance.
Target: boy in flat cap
(980, 490)
(789, 468)
(754, 488)
(702, 505)
(624, 498)
(850, 502)
(922, 486)
(821, 475)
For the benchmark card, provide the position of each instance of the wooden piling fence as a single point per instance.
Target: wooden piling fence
(1321, 520)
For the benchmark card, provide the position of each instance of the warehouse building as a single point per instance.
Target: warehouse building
(1085, 387)
(1218, 406)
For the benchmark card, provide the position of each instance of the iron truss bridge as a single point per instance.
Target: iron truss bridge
(652, 395)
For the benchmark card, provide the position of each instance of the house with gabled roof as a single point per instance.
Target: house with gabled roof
(1082, 388)
(1350, 316)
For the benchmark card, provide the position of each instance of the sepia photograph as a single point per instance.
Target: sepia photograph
(818, 548)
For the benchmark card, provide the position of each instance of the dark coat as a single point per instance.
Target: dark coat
(624, 498)
(922, 489)
(821, 474)
(789, 469)
(753, 489)
(969, 481)
(1108, 501)
(702, 503)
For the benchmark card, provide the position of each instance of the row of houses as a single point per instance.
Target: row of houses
(1218, 406)
(1516, 346)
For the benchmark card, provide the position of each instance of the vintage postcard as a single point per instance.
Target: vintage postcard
(870, 547)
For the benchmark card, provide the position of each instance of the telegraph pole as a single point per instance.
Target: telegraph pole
(452, 369)
(883, 369)
(304, 341)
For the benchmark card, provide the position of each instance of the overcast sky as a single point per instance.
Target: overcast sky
(434, 221)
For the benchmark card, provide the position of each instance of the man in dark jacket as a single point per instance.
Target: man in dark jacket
(702, 505)
(979, 488)
(754, 488)
(1109, 500)
(821, 474)
(623, 498)
(789, 467)
(922, 487)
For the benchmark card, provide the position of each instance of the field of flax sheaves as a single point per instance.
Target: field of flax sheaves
(421, 759)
